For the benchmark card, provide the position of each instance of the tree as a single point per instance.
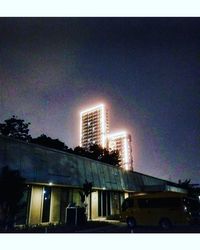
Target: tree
(12, 186)
(104, 155)
(192, 189)
(111, 157)
(186, 184)
(87, 190)
(15, 127)
(98, 153)
(80, 151)
(49, 142)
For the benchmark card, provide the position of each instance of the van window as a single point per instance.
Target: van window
(159, 203)
(143, 203)
(128, 203)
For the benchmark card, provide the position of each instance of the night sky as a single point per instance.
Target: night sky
(146, 70)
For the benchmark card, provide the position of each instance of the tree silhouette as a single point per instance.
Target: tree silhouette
(185, 184)
(49, 142)
(111, 157)
(87, 190)
(12, 186)
(192, 189)
(80, 151)
(96, 152)
(17, 128)
(104, 155)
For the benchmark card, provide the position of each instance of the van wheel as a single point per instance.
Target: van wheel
(165, 224)
(131, 223)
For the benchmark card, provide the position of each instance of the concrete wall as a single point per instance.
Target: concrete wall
(95, 205)
(55, 205)
(35, 213)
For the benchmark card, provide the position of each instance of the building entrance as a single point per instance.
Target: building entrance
(104, 208)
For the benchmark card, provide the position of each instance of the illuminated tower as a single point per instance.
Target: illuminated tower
(122, 142)
(94, 126)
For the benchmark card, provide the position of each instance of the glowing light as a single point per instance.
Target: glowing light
(92, 109)
(102, 120)
(118, 134)
(126, 153)
(81, 130)
(50, 183)
(103, 126)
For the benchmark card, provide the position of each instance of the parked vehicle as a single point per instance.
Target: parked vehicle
(164, 209)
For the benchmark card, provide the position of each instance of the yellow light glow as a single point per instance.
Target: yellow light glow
(92, 109)
(118, 134)
(126, 152)
(100, 107)
(81, 130)
(123, 135)
(103, 126)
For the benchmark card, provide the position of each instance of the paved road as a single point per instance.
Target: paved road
(120, 227)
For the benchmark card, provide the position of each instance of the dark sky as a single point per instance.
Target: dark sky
(147, 71)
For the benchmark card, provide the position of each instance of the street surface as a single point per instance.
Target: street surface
(121, 227)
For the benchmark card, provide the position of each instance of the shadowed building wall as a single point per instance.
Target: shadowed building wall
(55, 179)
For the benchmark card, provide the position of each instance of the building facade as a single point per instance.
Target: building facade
(122, 142)
(94, 126)
(55, 178)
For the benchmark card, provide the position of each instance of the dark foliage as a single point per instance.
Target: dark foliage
(12, 186)
(81, 151)
(192, 189)
(98, 153)
(186, 184)
(49, 142)
(111, 157)
(87, 189)
(17, 128)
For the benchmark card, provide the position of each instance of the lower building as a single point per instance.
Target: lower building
(55, 178)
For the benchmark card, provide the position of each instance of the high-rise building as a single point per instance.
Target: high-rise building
(94, 126)
(122, 142)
